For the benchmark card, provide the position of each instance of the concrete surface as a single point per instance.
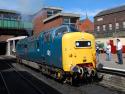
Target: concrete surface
(113, 63)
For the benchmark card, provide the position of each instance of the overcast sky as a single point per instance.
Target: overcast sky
(92, 7)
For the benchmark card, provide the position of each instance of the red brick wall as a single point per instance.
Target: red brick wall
(38, 22)
(53, 23)
(110, 19)
(86, 25)
(39, 26)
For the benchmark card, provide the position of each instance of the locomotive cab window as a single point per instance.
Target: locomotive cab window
(61, 31)
(81, 44)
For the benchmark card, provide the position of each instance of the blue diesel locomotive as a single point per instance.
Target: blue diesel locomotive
(62, 52)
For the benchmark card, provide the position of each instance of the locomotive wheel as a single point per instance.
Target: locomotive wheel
(92, 76)
(98, 76)
(74, 80)
(59, 75)
(19, 60)
(68, 80)
(71, 80)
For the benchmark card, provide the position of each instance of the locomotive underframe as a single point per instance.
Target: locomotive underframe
(83, 73)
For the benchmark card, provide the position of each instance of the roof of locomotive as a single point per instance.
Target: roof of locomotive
(27, 40)
(70, 27)
(53, 30)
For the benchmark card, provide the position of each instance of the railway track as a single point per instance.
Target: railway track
(112, 72)
(3, 86)
(113, 78)
(13, 81)
(38, 91)
(18, 85)
(85, 88)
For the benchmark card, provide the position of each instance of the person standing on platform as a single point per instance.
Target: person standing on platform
(119, 51)
(108, 52)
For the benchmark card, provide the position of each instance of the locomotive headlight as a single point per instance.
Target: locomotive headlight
(77, 43)
(89, 43)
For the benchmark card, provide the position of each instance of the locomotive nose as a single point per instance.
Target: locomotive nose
(76, 49)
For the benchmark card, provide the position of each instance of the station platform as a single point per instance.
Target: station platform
(5, 57)
(111, 65)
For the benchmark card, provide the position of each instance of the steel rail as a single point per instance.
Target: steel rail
(113, 72)
(8, 92)
(28, 81)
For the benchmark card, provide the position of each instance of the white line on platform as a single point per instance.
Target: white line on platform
(115, 69)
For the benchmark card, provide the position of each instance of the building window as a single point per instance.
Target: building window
(7, 16)
(49, 13)
(69, 21)
(104, 27)
(100, 19)
(117, 25)
(124, 24)
(110, 26)
(66, 20)
(1, 16)
(98, 28)
(56, 11)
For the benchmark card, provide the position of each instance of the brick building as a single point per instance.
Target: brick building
(51, 17)
(86, 25)
(110, 22)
